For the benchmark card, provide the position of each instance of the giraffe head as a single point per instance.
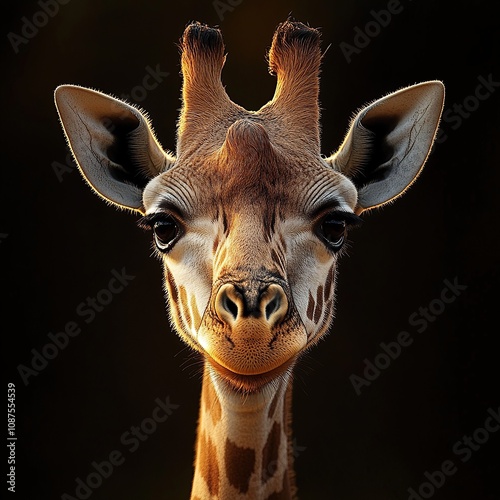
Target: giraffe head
(248, 217)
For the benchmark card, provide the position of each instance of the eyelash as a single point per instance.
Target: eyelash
(351, 220)
(148, 221)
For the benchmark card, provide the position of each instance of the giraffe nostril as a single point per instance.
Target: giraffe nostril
(272, 307)
(274, 304)
(230, 306)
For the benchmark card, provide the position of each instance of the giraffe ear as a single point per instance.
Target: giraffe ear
(388, 143)
(113, 144)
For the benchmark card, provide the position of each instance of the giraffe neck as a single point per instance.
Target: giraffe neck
(243, 449)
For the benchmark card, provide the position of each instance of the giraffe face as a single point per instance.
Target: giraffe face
(249, 236)
(249, 218)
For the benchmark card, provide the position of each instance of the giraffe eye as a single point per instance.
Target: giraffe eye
(165, 232)
(166, 229)
(333, 232)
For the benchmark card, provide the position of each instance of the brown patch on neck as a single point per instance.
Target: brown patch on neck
(207, 464)
(211, 401)
(240, 464)
(270, 453)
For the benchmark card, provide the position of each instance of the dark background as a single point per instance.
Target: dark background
(59, 244)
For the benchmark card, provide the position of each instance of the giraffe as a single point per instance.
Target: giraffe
(249, 220)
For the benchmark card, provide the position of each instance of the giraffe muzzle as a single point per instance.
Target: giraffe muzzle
(257, 332)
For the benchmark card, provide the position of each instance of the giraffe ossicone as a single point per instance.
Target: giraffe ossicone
(249, 220)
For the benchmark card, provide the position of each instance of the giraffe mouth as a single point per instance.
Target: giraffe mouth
(250, 383)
